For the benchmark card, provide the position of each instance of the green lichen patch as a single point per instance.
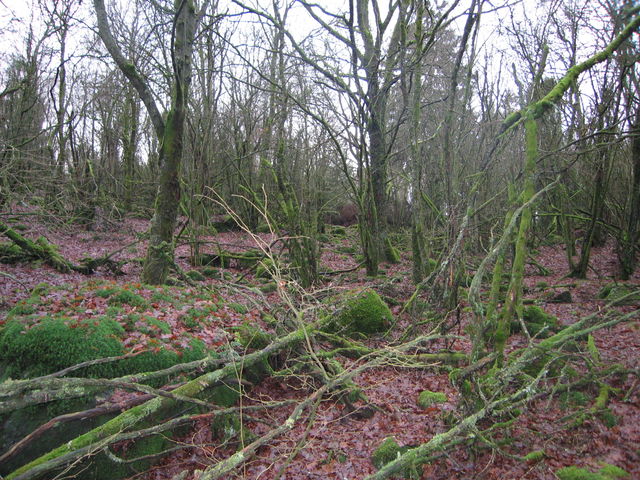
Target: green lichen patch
(428, 398)
(364, 312)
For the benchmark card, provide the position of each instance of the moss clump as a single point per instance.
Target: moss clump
(607, 472)
(365, 312)
(268, 287)
(573, 399)
(537, 321)
(57, 343)
(613, 472)
(40, 289)
(387, 452)
(391, 253)
(265, 268)
(210, 272)
(534, 456)
(620, 294)
(129, 298)
(263, 228)
(238, 308)
(106, 292)
(428, 398)
(251, 336)
(10, 254)
(23, 307)
(195, 275)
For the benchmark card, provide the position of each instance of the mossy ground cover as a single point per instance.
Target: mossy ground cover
(55, 328)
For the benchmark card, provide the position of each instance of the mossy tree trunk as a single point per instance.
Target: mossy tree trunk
(513, 302)
(170, 132)
(630, 234)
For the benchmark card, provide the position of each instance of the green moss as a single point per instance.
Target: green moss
(210, 272)
(160, 325)
(391, 253)
(608, 418)
(339, 231)
(593, 350)
(195, 275)
(159, 296)
(10, 254)
(620, 294)
(537, 321)
(129, 298)
(268, 287)
(263, 228)
(428, 398)
(534, 456)
(57, 343)
(238, 308)
(106, 292)
(223, 395)
(23, 307)
(365, 312)
(251, 336)
(264, 268)
(607, 472)
(113, 311)
(40, 289)
(573, 399)
(388, 451)
(576, 473)
(613, 472)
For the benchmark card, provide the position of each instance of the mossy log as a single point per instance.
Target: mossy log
(41, 249)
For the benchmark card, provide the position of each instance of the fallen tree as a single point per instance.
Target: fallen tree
(41, 249)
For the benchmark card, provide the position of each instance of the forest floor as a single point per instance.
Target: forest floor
(338, 442)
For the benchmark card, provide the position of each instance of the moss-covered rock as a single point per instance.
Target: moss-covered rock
(364, 312)
(428, 398)
(620, 294)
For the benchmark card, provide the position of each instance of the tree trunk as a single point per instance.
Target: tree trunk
(630, 235)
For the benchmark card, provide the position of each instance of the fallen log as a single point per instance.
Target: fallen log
(41, 249)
